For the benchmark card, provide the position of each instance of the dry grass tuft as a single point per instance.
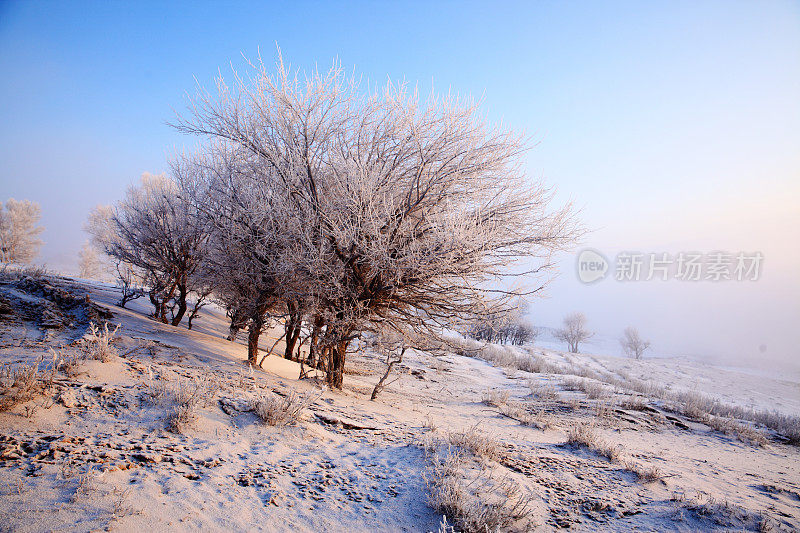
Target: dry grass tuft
(474, 499)
(742, 432)
(475, 442)
(644, 474)
(182, 397)
(543, 392)
(593, 389)
(181, 417)
(520, 412)
(18, 384)
(66, 364)
(274, 410)
(495, 397)
(584, 435)
(633, 403)
(100, 342)
(429, 423)
(722, 513)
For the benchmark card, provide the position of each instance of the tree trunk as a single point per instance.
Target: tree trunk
(181, 305)
(292, 334)
(254, 333)
(335, 376)
(159, 313)
(292, 328)
(160, 303)
(313, 348)
(196, 309)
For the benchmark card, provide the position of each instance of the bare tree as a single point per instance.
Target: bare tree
(202, 297)
(393, 357)
(392, 209)
(130, 283)
(632, 343)
(155, 232)
(574, 331)
(19, 242)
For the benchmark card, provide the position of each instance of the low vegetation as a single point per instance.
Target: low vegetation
(468, 492)
(99, 342)
(274, 410)
(527, 415)
(181, 398)
(18, 384)
(691, 404)
(474, 441)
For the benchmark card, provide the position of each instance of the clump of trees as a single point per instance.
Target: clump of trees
(573, 331)
(19, 232)
(511, 328)
(338, 211)
(633, 345)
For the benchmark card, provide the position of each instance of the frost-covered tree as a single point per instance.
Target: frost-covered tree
(19, 233)
(574, 331)
(90, 265)
(509, 328)
(633, 344)
(159, 235)
(393, 208)
(244, 261)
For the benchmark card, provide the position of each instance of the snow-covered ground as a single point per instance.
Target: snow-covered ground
(98, 456)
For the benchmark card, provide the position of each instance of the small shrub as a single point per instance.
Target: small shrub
(66, 364)
(181, 417)
(198, 391)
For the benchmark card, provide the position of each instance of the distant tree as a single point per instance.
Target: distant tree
(574, 331)
(89, 263)
(19, 242)
(632, 343)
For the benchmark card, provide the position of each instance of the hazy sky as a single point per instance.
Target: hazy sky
(675, 126)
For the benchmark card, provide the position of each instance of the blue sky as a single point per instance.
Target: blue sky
(673, 125)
